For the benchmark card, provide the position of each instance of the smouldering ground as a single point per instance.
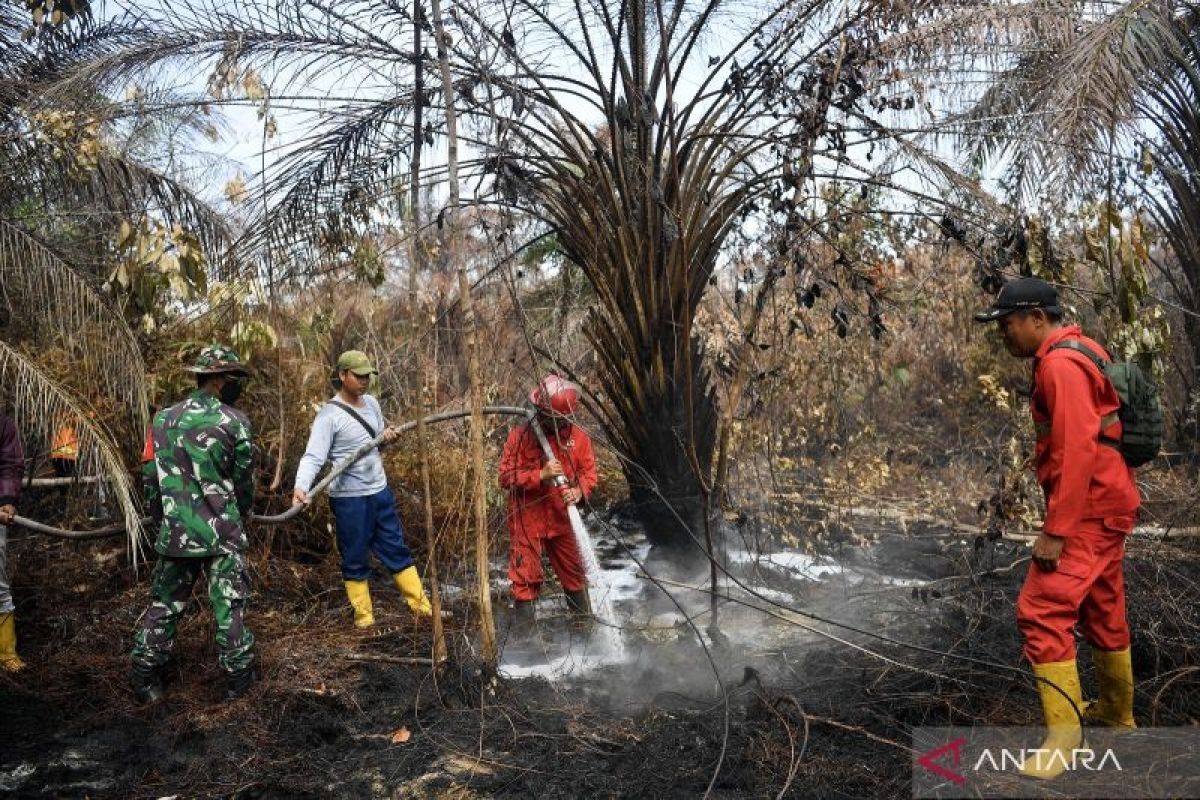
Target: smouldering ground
(338, 715)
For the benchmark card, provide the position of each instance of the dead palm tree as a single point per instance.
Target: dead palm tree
(1172, 107)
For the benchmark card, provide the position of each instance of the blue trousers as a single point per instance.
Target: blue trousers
(369, 523)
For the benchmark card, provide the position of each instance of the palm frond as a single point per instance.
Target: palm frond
(41, 288)
(43, 78)
(1172, 110)
(342, 172)
(124, 187)
(1099, 76)
(1067, 89)
(41, 406)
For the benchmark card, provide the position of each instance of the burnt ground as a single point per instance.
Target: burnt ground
(803, 717)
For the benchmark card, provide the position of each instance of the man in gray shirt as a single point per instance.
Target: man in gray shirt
(363, 506)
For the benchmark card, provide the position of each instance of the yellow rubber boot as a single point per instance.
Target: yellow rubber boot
(360, 600)
(409, 584)
(9, 659)
(1114, 673)
(1061, 708)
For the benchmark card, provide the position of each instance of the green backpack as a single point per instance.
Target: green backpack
(1140, 412)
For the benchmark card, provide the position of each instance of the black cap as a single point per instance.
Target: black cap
(1021, 294)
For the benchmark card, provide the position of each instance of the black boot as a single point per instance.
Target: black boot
(523, 618)
(239, 682)
(524, 645)
(579, 604)
(146, 683)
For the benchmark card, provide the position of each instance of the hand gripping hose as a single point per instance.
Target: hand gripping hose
(582, 540)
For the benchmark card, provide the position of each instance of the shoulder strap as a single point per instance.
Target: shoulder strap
(1108, 419)
(1080, 347)
(370, 431)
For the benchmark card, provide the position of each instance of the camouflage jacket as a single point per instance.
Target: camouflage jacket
(200, 483)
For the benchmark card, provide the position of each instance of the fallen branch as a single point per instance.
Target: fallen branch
(68, 480)
(953, 527)
(861, 731)
(410, 660)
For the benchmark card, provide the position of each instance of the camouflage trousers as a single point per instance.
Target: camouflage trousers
(228, 592)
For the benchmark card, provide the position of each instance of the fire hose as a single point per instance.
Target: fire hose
(583, 541)
(322, 485)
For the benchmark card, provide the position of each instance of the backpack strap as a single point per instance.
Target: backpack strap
(1043, 428)
(1080, 347)
(366, 426)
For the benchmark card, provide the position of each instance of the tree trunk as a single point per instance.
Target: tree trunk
(487, 625)
(1187, 429)
(666, 491)
(416, 251)
(428, 374)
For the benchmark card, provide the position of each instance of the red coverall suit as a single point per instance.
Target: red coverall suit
(537, 515)
(1091, 501)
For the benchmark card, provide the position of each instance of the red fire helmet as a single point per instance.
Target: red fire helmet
(555, 395)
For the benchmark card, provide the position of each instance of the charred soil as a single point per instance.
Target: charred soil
(341, 714)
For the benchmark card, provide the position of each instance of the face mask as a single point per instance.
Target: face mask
(231, 390)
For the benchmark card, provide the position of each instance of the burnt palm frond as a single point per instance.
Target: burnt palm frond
(41, 406)
(1172, 107)
(82, 166)
(330, 187)
(128, 188)
(1068, 88)
(293, 38)
(66, 310)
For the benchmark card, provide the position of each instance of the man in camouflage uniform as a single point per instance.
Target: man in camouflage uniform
(199, 488)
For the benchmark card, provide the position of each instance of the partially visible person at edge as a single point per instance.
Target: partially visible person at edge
(64, 458)
(1092, 503)
(537, 509)
(149, 471)
(64, 450)
(199, 485)
(12, 464)
(363, 506)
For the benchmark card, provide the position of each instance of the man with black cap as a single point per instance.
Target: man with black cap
(364, 508)
(1091, 505)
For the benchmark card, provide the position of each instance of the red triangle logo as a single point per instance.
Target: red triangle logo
(928, 760)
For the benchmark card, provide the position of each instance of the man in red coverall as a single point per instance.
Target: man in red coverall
(1091, 505)
(537, 510)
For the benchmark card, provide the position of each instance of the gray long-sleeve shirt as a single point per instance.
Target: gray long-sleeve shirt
(335, 435)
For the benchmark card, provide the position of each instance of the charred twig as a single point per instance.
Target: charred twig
(413, 660)
(860, 731)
